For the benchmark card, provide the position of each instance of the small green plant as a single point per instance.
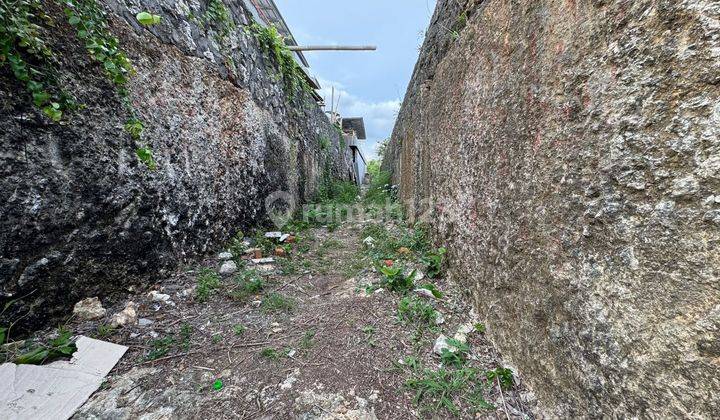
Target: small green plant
(270, 353)
(395, 280)
(434, 262)
(208, 281)
(185, 336)
(239, 329)
(145, 156)
(503, 375)
(413, 310)
(441, 390)
(63, 346)
(456, 358)
(237, 247)
(134, 127)
(369, 331)
(480, 327)
(216, 338)
(179, 341)
(160, 347)
(275, 302)
(248, 283)
(148, 19)
(307, 341)
(104, 330)
(433, 289)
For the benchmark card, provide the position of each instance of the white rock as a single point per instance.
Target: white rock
(228, 267)
(158, 297)
(442, 344)
(419, 275)
(284, 237)
(224, 256)
(424, 293)
(268, 260)
(273, 235)
(290, 380)
(126, 316)
(89, 308)
(265, 268)
(369, 241)
(292, 353)
(439, 318)
(463, 331)
(144, 322)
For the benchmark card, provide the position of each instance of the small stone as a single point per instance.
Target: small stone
(424, 293)
(126, 316)
(228, 267)
(89, 308)
(277, 330)
(369, 241)
(291, 353)
(280, 251)
(442, 344)
(275, 324)
(224, 256)
(252, 251)
(419, 275)
(159, 297)
(284, 237)
(144, 322)
(439, 318)
(268, 260)
(273, 235)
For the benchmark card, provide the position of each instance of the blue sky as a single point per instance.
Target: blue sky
(372, 84)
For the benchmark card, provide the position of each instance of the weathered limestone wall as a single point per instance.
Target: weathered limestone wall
(571, 151)
(81, 216)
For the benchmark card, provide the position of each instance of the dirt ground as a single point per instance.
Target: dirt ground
(314, 343)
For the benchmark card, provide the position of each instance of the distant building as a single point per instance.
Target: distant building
(354, 130)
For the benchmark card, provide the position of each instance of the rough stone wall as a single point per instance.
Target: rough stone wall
(81, 216)
(571, 153)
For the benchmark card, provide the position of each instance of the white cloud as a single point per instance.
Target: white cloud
(379, 116)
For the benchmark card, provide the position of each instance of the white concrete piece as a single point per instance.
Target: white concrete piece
(56, 390)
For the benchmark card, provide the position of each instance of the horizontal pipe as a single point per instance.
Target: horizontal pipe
(331, 48)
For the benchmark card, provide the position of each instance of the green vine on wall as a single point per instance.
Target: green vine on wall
(27, 54)
(273, 44)
(218, 17)
(33, 63)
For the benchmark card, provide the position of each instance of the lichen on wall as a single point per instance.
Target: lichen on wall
(82, 216)
(569, 155)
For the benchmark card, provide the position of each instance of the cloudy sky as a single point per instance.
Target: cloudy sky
(372, 84)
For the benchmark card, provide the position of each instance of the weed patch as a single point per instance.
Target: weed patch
(275, 302)
(208, 281)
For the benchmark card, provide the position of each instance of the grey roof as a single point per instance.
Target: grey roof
(267, 12)
(356, 124)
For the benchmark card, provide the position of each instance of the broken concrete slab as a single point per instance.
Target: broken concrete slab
(56, 390)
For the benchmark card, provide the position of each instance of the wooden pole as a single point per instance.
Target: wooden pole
(331, 48)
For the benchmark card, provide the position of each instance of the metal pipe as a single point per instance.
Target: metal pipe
(331, 48)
